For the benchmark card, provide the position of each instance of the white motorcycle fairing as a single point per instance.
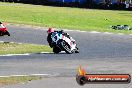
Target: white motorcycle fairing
(58, 39)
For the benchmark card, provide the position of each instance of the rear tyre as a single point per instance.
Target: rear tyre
(1, 34)
(56, 50)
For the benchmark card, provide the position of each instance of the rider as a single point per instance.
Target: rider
(2, 28)
(50, 31)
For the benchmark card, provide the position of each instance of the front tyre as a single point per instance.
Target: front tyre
(76, 50)
(7, 33)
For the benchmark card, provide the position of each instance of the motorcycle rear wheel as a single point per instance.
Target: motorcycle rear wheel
(56, 50)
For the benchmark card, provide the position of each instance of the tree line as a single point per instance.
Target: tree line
(89, 4)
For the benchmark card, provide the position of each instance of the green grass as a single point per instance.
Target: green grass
(17, 79)
(14, 48)
(64, 17)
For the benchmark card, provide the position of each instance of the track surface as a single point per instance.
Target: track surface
(99, 53)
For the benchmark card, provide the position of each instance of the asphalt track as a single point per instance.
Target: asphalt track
(99, 53)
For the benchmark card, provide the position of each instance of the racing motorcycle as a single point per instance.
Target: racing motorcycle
(63, 43)
(3, 31)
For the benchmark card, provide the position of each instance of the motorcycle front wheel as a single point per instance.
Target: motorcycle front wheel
(77, 50)
(7, 33)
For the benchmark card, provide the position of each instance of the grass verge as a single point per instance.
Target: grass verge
(63, 17)
(17, 79)
(15, 48)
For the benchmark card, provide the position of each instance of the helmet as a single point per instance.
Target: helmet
(50, 30)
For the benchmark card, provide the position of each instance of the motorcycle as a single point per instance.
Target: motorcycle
(63, 43)
(3, 31)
